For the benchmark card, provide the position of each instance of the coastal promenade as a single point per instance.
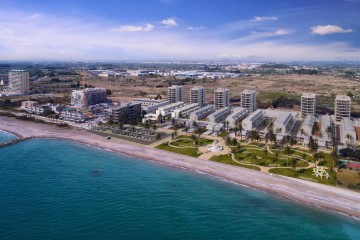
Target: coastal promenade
(312, 194)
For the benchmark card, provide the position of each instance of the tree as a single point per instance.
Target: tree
(254, 158)
(240, 127)
(288, 151)
(158, 136)
(294, 162)
(227, 143)
(335, 157)
(276, 159)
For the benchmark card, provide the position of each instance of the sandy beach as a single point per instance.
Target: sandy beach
(312, 194)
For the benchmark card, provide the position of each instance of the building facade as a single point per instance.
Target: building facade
(202, 113)
(90, 96)
(221, 98)
(308, 104)
(197, 95)
(342, 107)
(220, 115)
(127, 113)
(236, 116)
(248, 100)
(185, 111)
(19, 81)
(175, 94)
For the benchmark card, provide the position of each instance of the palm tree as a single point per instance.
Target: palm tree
(234, 142)
(240, 129)
(236, 129)
(227, 143)
(254, 158)
(287, 150)
(158, 136)
(335, 157)
(276, 159)
(294, 162)
(271, 126)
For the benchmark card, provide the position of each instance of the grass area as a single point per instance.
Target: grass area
(305, 174)
(264, 159)
(184, 141)
(269, 96)
(349, 179)
(193, 152)
(227, 160)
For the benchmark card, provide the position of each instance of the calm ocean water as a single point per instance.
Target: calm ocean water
(4, 137)
(61, 190)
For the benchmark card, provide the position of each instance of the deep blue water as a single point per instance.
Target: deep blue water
(61, 190)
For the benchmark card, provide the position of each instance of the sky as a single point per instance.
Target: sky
(184, 30)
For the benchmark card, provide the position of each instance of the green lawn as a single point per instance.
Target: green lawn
(193, 152)
(305, 175)
(184, 141)
(227, 160)
(264, 159)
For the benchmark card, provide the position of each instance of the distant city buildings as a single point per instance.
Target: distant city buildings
(308, 104)
(221, 98)
(19, 81)
(248, 100)
(91, 96)
(197, 95)
(342, 107)
(175, 94)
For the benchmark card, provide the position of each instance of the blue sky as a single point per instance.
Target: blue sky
(282, 30)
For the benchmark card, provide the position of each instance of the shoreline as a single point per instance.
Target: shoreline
(319, 196)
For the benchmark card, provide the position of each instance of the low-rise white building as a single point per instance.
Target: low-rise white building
(254, 120)
(154, 107)
(284, 123)
(202, 113)
(307, 126)
(185, 111)
(220, 115)
(73, 116)
(325, 132)
(147, 101)
(347, 131)
(168, 109)
(236, 116)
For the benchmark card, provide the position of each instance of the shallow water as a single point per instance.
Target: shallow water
(62, 190)
(4, 137)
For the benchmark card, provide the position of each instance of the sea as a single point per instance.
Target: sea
(52, 189)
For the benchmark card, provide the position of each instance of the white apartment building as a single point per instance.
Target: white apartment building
(342, 107)
(347, 131)
(248, 100)
(284, 123)
(147, 101)
(202, 113)
(197, 95)
(254, 120)
(307, 126)
(185, 111)
(168, 109)
(236, 116)
(154, 107)
(308, 104)
(175, 94)
(19, 81)
(221, 98)
(325, 135)
(90, 96)
(220, 115)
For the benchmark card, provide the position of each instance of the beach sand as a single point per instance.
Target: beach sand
(304, 192)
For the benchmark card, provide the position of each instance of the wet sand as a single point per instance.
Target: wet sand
(304, 192)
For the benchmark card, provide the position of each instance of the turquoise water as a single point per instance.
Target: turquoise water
(61, 190)
(4, 137)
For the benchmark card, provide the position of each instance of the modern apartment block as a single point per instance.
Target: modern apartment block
(308, 104)
(248, 100)
(342, 107)
(19, 81)
(92, 96)
(127, 113)
(221, 98)
(175, 94)
(197, 95)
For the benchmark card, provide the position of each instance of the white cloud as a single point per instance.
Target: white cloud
(64, 38)
(281, 32)
(260, 19)
(196, 28)
(170, 22)
(328, 29)
(129, 28)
